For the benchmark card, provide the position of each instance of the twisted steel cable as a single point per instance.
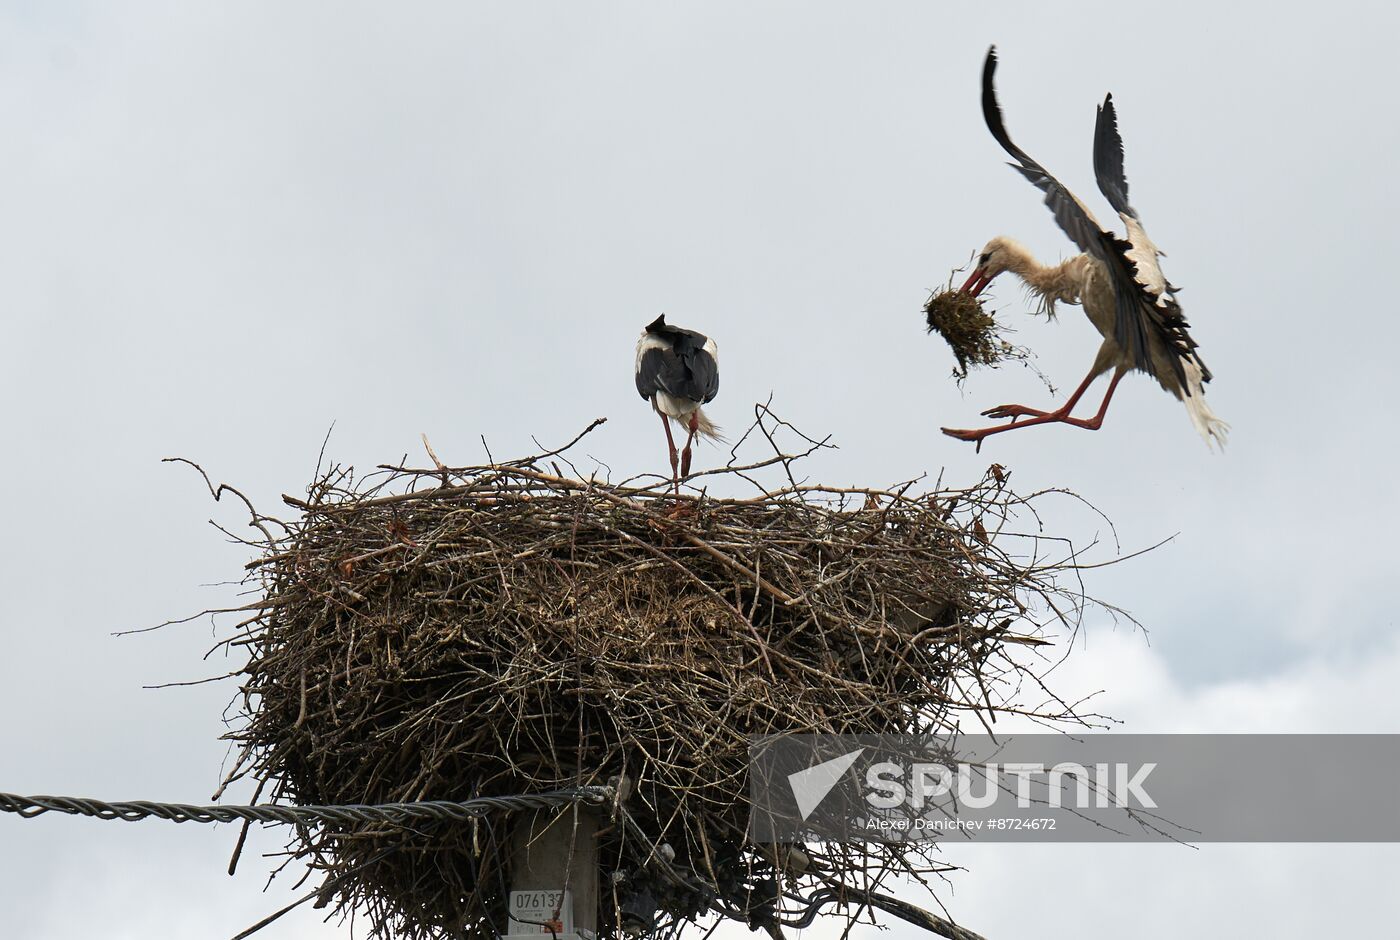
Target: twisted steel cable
(28, 807)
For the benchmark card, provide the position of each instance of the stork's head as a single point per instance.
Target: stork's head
(998, 255)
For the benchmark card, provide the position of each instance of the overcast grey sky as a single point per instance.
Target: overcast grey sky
(224, 226)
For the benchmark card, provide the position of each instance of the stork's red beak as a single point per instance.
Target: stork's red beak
(977, 282)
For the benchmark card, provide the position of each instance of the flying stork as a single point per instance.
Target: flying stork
(1117, 280)
(678, 371)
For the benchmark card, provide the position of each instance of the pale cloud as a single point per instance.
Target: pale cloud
(1164, 891)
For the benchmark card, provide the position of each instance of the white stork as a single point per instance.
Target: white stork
(1118, 281)
(678, 371)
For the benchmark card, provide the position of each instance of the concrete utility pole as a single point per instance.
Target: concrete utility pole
(554, 877)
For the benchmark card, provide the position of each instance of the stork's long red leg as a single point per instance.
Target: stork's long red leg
(1060, 415)
(1096, 422)
(692, 425)
(671, 446)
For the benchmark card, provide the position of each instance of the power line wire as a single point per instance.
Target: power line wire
(27, 807)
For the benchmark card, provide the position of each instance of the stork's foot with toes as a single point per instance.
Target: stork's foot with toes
(1035, 416)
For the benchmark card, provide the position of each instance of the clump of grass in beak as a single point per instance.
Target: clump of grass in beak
(971, 332)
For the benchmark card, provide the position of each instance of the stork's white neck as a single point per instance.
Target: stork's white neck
(1060, 283)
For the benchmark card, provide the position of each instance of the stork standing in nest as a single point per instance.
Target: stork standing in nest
(1117, 280)
(678, 371)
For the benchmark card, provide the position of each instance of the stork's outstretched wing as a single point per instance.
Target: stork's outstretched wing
(1070, 214)
(1139, 307)
(1141, 252)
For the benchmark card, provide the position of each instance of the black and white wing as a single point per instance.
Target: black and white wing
(700, 357)
(1137, 306)
(679, 362)
(1140, 250)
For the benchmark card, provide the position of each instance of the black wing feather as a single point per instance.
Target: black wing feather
(1108, 159)
(704, 372)
(649, 370)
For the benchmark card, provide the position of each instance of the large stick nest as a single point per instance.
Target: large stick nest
(513, 628)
